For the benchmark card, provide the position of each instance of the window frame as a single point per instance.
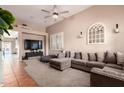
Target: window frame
(53, 36)
(95, 43)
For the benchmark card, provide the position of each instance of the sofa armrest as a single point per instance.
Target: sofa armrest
(111, 72)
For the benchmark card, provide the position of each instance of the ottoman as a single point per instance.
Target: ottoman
(60, 63)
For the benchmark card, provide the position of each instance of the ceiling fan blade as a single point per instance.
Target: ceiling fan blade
(45, 10)
(47, 17)
(63, 12)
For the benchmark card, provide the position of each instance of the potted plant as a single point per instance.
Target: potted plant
(6, 21)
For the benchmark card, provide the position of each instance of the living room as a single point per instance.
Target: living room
(82, 42)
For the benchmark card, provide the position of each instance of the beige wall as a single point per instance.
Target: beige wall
(108, 15)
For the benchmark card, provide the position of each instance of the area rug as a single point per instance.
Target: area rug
(46, 76)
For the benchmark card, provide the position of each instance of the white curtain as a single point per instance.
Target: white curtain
(56, 41)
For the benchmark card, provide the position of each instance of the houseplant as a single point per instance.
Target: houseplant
(6, 21)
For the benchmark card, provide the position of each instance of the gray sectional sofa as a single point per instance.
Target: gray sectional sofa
(106, 68)
(98, 60)
(87, 61)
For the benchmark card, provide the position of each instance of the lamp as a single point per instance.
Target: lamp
(116, 29)
(55, 15)
(81, 35)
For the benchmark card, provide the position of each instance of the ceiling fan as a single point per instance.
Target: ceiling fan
(54, 13)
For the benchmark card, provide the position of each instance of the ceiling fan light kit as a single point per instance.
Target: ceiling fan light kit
(55, 15)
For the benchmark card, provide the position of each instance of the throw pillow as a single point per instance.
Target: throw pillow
(100, 56)
(78, 55)
(72, 54)
(91, 57)
(84, 56)
(110, 57)
(120, 58)
(61, 55)
(67, 54)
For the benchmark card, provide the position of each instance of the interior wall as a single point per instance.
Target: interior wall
(29, 32)
(109, 15)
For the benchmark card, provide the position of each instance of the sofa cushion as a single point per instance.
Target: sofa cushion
(120, 58)
(114, 73)
(72, 54)
(100, 56)
(114, 66)
(95, 64)
(91, 57)
(84, 56)
(111, 58)
(78, 62)
(59, 60)
(67, 54)
(60, 63)
(109, 72)
(47, 58)
(61, 55)
(78, 55)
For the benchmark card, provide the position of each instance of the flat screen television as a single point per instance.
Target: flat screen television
(32, 44)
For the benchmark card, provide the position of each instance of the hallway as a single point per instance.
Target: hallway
(14, 73)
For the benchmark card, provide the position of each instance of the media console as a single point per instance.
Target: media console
(33, 54)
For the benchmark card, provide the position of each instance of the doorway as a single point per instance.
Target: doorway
(10, 46)
(7, 47)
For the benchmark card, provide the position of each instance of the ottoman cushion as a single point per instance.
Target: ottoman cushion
(60, 63)
(79, 62)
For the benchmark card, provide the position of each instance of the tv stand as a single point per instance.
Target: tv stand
(33, 54)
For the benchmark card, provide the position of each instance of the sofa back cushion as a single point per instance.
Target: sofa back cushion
(67, 54)
(78, 55)
(72, 54)
(111, 58)
(91, 56)
(61, 55)
(84, 56)
(120, 58)
(100, 56)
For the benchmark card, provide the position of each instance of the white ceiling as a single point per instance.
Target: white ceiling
(34, 17)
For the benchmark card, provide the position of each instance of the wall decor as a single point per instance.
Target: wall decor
(96, 34)
(80, 35)
(117, 29)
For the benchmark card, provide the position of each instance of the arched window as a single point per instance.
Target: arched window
(96, 34)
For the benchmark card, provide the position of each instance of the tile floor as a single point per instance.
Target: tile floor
(15, 75)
